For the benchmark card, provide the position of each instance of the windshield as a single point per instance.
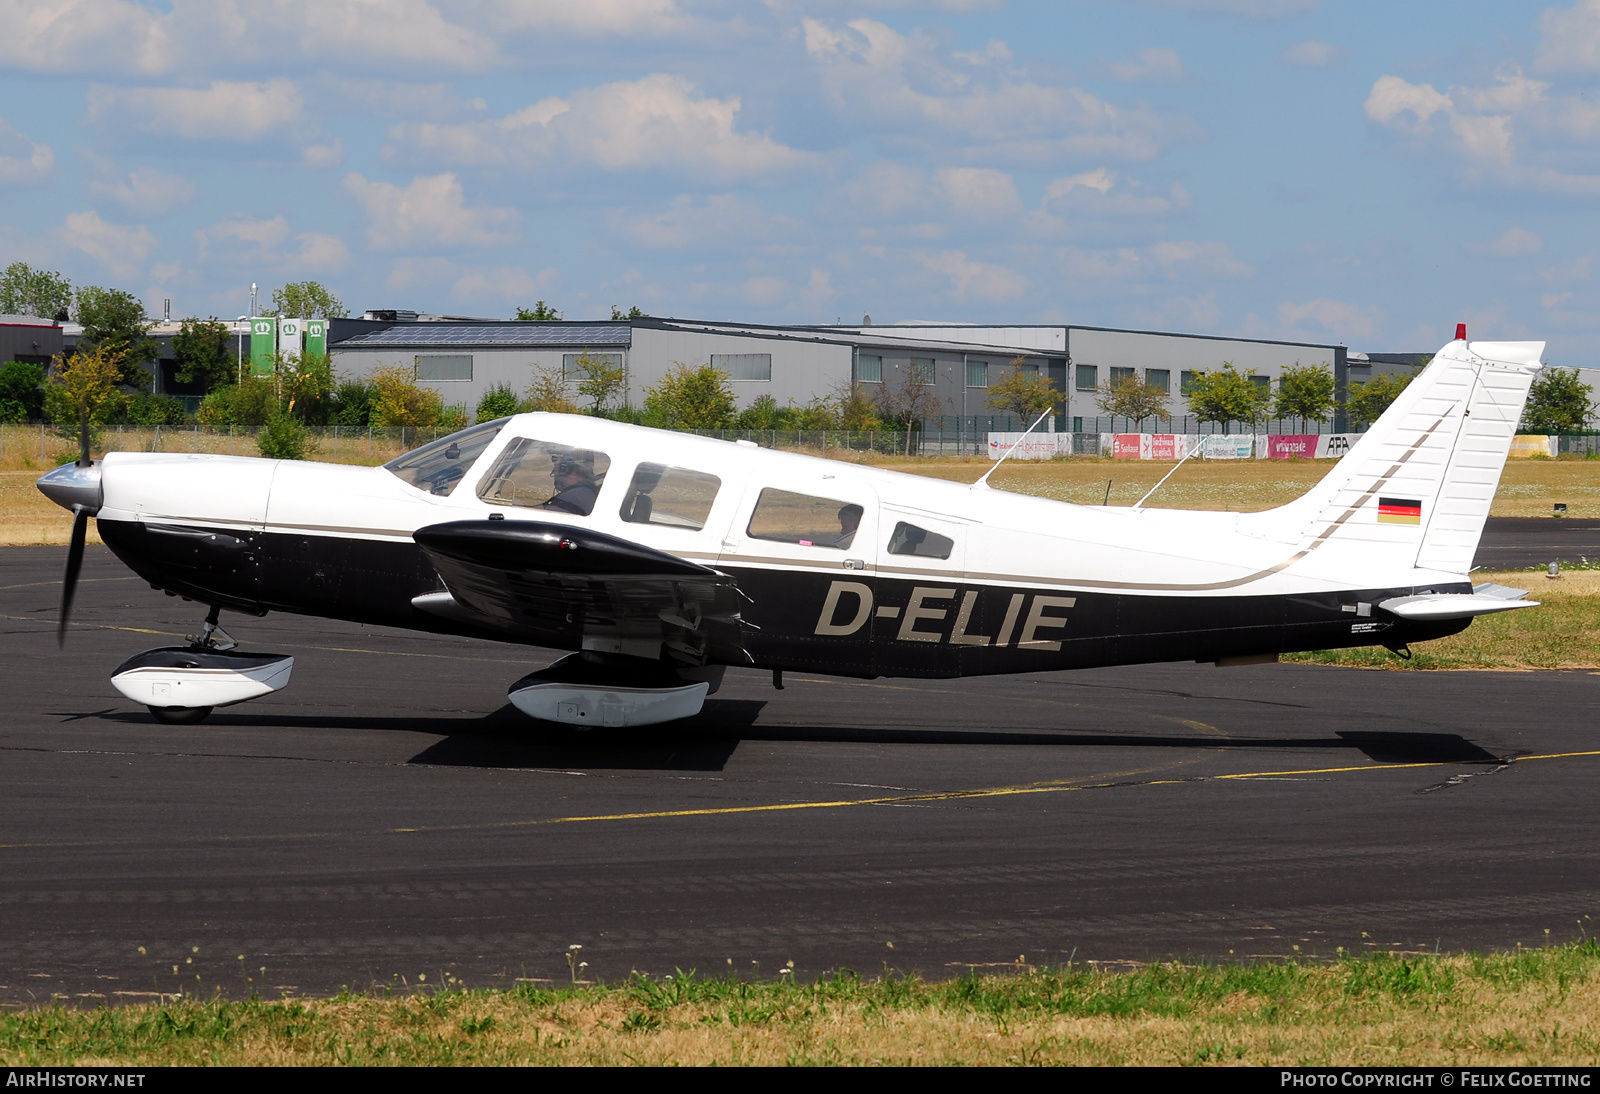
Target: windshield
(438, 466)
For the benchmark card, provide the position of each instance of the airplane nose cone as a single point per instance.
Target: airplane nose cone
(72, 485)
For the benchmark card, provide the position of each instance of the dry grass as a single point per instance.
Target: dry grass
(1527, 1007)
(1562, 633)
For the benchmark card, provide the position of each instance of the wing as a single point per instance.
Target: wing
(571, 588)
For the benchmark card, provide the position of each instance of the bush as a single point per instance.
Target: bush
(548, 393)
(147, 410)
(351, 404)
(21, 392)
(398, 401)
(452, 418)
(498, 402)
(690, 398)
(250, 403)
(284, 438)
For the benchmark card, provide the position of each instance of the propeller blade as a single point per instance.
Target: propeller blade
(69, 584)
(83, 442)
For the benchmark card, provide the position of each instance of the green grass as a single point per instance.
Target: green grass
(1527, 1006)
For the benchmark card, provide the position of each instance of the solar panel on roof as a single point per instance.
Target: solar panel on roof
(492, 334)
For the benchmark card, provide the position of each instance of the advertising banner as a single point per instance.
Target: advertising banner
(317, 336)
(1173, 446)
(1035, 446)
(290, 331)
(1130, 446)
(1527, 446)
(263, 342)
(1290, 446)
(1235, 446)
(1333, 446)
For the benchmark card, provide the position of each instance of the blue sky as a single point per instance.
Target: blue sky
(1356, 172)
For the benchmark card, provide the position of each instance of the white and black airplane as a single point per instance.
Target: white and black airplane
(660, 558)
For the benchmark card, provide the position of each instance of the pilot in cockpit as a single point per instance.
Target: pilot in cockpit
(572, 472)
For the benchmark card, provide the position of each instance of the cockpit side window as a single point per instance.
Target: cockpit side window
(799, 518)
(674, 496)
(534, 474)
(437, 467)
(908, 539)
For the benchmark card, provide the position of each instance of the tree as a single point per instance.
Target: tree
(83, 388)
(1131, 397)
(251, 402)
(398, 401)
(308, 300)
(1558, 402)
(905, 403)
(115, 320)
(548, 392)
(1025, 392)
(498, 402)
(351, 404)
(1227, 395)
(539, 313)
(21, 392)
(1305, 391)
(856, 410)
(690, 398)
(304, 383)
(203, 353)
(26, 291)
(1367, 401)
(601, 378)
(617, 313)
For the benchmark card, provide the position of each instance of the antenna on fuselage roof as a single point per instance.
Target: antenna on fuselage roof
(984, 482)
(1174, 471)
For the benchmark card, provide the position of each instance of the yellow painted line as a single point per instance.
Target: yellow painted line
(81, 581)
(1056, 787)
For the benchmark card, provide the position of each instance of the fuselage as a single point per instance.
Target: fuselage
(844, 569)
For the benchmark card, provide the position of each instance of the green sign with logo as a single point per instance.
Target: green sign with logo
(316, 337)
(263, 344)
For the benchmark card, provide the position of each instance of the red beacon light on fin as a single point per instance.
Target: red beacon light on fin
(1461, 332)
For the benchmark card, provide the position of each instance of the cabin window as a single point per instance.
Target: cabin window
(673, 496)
(799, 518)
(434, 367)
(869, 368)
(908, 539)
(545, 475)
(436, 467)
(1088, 377)
(744, 366)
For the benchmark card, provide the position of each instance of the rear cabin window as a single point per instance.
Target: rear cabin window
(908, 539)
(437, 467)
(545, 475)
(674, 496)
(799, 518)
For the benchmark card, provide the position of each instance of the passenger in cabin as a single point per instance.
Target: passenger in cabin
(575, 487)
(849, 521)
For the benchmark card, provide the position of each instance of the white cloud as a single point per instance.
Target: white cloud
(1166, 260)
(146, 190)
(226, 109)
(658, 122)
(23, 160)
(1102, 192)
(1254, 9)
(428, 213)
(1515, 243)
(511, 284)
(879, 80)
(1173, 255)
(84, 36)
(1569, 39)
(719, 219)
(978, 192)
(330, 154)
(1314, 55)
(243, 241)
(1516, 132)
(120, 248)
(1336, 317)
(1151, 66)
(621, 17)
(980, 280)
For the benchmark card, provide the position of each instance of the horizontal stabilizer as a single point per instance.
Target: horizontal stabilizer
(1452, 605)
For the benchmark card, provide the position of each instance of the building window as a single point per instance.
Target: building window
(744, 366)
(1185, 381)
(1123, 374)
(869, 368)
(1088, 377)
(923, 371)
(444, 366)
(1030, 368)
(977, 374)
(572, 370)
(1160, 379)
(1262, 382)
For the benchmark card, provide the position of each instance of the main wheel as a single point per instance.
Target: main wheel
(180, 716)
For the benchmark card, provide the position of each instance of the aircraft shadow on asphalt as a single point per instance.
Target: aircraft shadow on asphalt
(506, 738)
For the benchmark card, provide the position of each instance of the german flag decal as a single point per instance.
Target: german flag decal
(1399, 511)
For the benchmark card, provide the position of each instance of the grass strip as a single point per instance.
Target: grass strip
(1529, 1006)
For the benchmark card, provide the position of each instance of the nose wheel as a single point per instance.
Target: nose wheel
(179, 716)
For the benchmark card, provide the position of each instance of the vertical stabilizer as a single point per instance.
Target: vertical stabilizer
(1416, 488)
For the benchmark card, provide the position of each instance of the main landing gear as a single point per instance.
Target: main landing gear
(181, 685)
